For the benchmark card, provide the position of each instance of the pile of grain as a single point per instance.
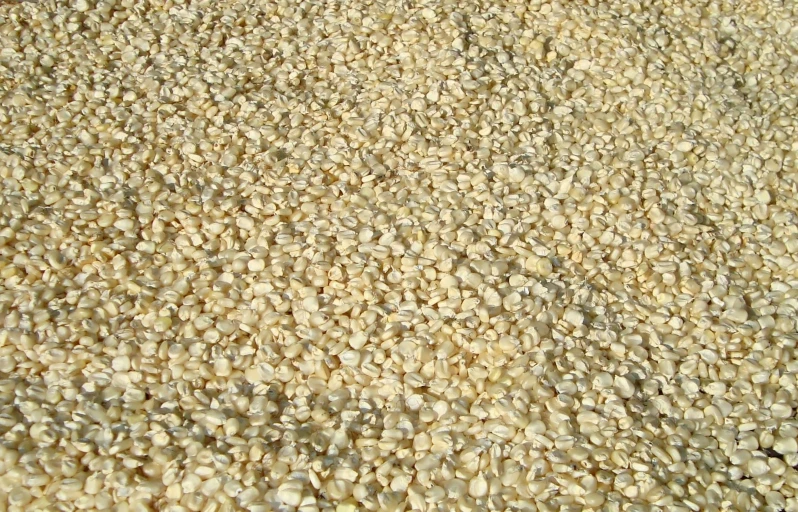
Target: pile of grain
(399, 255)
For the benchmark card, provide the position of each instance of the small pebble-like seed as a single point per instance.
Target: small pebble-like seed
(358, 340)
(256, 265)
(544, 267)
(785, 446)
(350, 357)
(290, 495)
(624, 387)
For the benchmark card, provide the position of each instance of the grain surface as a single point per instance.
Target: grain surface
(340, 256)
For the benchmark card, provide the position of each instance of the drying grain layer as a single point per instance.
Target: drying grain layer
(359, 256)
